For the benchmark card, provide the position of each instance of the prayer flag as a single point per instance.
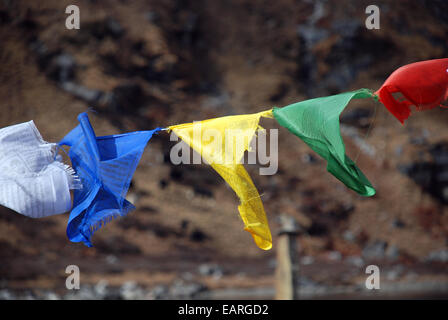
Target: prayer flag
(222, 143)
(105, 166)
(33, 180)
(423, 85)
(316, 122)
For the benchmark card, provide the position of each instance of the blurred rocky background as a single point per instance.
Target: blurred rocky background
(142, 64)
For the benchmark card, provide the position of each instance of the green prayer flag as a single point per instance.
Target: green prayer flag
(316, 122)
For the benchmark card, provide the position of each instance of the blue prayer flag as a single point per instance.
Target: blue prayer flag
(105, 166)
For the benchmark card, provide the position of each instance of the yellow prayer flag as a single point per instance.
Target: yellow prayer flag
(222, 143)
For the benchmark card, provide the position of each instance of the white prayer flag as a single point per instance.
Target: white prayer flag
(33, 180)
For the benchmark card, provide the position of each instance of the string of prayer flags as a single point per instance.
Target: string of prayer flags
(423, 85)
(222, 142)
(105, 166)
(316, 122)
(33, 180)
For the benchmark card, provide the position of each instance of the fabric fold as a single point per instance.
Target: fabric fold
(105, 166)
(316, 122)
(33, 180)
(222, 142)
(422, 85)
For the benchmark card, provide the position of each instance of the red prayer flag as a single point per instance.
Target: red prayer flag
(422, 84)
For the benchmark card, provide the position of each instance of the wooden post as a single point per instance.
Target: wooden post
(287, 272)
